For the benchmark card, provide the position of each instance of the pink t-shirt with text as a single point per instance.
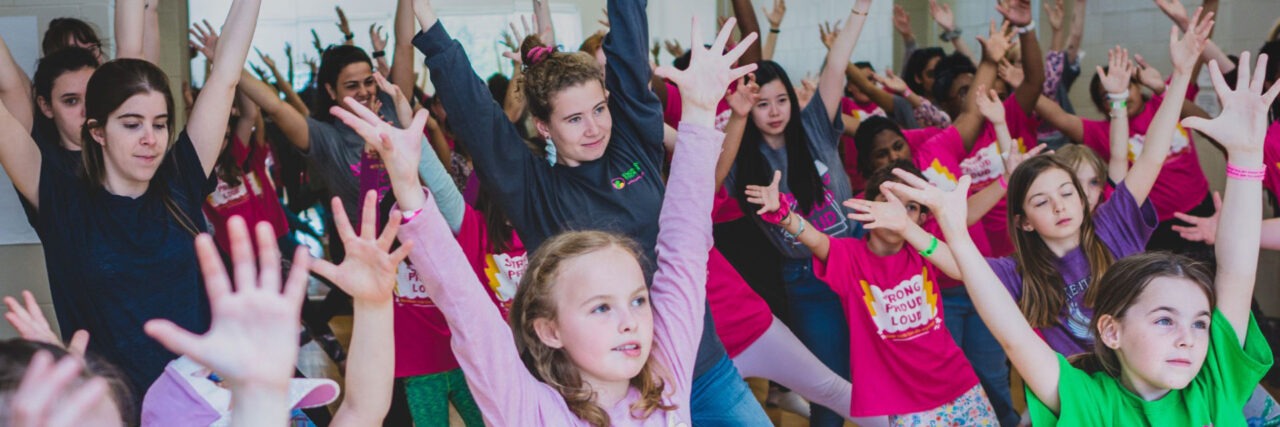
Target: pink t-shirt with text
(1181, 185)
(1271, 159)
(254, 199)
(985, 164)
(903, 358)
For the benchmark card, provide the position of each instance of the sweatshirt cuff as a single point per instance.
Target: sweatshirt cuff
(433, 41)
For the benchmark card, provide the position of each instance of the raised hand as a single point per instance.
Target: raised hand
(943, 15)
(1017, 12)
(902, 22)
(1010, 73)
(31, 325)
(710, 70)
(400, 149)
(767, 197)
(1242, 126)
(204, 39)
(673, 47)
(998, 43)
(604, 20)
(656, 51)
(775, 16)
(1185, 52)
(254, 333)
(401, 102)
(1149, 76)
(1175, 11)
(949, 207)
(808, 87)
(288, 52)
(1015, 157)
(266, 60)
(828, 33)
(315, 42)
(368, 273)
(343, 24)
(1202, 229)
(1055, 13)
(990, 106)
(743, 98)
(377, 37)
(51, 395)
(1119, 72)
(888, 215)
(890, 81)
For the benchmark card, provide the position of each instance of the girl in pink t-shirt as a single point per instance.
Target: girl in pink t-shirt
(244, 187)
(898, 341)
(1181, 186)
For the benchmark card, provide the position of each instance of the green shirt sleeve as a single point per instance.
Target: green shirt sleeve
(1232, 372)
(1082, 398)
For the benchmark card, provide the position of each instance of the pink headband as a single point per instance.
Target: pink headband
(538, 54)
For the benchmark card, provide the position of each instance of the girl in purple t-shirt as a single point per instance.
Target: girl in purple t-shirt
(1062, 244)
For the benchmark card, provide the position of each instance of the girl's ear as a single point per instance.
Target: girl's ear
(1109, 331)
(333, 93)
(1025, 224)
(543, 128)
(548, 332)
(96, 130)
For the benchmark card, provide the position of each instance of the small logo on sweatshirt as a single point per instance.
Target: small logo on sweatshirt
(629, 177)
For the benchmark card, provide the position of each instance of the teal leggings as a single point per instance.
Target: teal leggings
(429, 397)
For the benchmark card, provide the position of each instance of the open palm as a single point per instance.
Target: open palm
(1243, 122)
(258, 319)
(368, 272)
(710, 70)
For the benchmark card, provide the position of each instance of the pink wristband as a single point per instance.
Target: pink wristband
(1235, 172)
(784, 210)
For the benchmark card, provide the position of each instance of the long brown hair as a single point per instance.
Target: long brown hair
(552, 366)
(1043, 290)
(1120, 288)
(111, 86)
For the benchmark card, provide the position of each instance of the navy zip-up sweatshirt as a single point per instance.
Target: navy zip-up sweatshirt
(621, 192)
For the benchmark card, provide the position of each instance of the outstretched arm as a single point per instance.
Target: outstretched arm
(776, 209)
(970, 121)
(1077, 31)
(775, 24)
(20, 157)
(368, 274)
(15, 89)
(1186, 57)
(1241, 128)
(747, 24)
(1115, 80)
(291, 122)
(284, 87)
(402, 64)
(542, 19)
(831, 83)
(208, 124)
(151, 32)
(1018, 12)
(1069, 124)
(129, 23)
(1027, 351)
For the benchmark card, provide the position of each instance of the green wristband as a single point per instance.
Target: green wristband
(933, 247)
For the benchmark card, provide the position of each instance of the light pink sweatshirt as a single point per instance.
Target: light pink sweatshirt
(506, 392)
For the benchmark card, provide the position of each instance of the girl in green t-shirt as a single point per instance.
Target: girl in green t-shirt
(1174, 346)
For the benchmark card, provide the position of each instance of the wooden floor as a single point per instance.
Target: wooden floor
(313, 362)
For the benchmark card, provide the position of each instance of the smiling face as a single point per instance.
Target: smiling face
(580, 123)
(1162, 339)
(603, 318)
(134, 141)
(355, 81)
(773, 112)
(66, 105)
(1053, 208)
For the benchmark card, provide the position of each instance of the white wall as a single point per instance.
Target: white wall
(799, 50)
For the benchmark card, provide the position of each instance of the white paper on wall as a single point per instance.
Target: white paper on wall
(21, 35)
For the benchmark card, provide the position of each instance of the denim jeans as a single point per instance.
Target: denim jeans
(817, 318)
(982, 350)
(720, 397)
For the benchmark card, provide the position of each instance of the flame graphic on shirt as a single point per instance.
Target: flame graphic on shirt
(940, 176)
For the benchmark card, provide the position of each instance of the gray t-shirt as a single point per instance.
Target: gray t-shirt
(829, 216)
(334, 157)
